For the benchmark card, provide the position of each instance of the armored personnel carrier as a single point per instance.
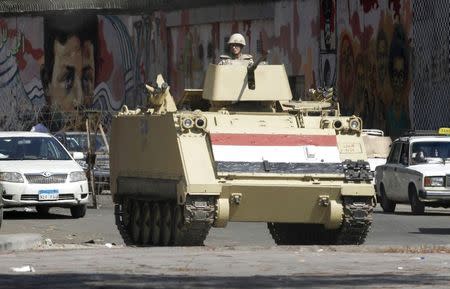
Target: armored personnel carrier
(253, 156)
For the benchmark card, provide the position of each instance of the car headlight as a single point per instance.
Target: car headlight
(433, 182)
(77, 176)
(11, 177)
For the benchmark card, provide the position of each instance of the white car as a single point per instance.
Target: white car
(36, 170)
(417, 172)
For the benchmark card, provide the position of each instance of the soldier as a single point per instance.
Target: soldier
(236, 43)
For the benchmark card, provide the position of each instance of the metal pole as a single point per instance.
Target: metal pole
(104, 137)
(91, 165)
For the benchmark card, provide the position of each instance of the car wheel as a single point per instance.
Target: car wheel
(78, 211)
(42, 210)
(387, 205)
(1, 216)
(417, 207)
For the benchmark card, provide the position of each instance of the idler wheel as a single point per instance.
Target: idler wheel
(166, 224)
(156, 223)
(136, 222)
(146, 224)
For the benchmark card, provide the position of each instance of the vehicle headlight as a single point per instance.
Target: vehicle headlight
(77, 176)
(337, 125)
(355, 124)
(433, 182)
(187, 123)
(200, 122)
(11, 177)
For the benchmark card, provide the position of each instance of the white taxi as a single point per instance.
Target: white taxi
(417, 172)
(36, 170)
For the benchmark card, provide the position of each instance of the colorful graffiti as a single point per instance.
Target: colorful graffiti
(60, 65)
(20, 58)
(374, 64)
(365, 48)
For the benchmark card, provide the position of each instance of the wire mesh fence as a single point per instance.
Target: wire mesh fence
(55, 120)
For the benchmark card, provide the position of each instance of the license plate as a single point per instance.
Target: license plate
(48, 195)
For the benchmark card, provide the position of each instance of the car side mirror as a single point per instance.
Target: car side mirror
(78, 155)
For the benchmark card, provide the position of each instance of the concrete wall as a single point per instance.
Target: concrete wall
(364, 48)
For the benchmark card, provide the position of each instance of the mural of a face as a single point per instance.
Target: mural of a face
(382, 56)
(72, 82)
(398, 63)
(68, 75)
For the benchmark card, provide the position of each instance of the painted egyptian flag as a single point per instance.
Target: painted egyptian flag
(275, 153)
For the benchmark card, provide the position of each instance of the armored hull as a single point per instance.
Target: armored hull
(176, 174)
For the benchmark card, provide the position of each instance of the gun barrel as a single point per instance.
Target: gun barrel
(258, 61)
(251, 70)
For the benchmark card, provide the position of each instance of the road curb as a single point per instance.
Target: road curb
(16, 242)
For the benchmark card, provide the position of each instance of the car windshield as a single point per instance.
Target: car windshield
(78, 142)
(430, 151)
(31, 148)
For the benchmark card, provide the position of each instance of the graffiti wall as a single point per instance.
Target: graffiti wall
(289, 31)
(58, 66)
(21, 55)
(61, 65)
(374, 62)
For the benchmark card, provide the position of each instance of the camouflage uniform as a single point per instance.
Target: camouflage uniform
(243, 59)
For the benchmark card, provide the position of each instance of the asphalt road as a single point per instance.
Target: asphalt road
(241, 267)
(242, 255)
(401, 228)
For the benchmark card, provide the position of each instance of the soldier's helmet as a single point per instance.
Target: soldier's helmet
(237, 38)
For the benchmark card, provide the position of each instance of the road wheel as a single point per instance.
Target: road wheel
(156, 223)
(417, 207)
(387, 205)
(166, 224)
(146, 224)
(42, 210)
(135, 226)
(177, 225)
(78, 211)
(1, 216)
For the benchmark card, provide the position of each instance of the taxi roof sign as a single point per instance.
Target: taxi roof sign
(444, 130)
